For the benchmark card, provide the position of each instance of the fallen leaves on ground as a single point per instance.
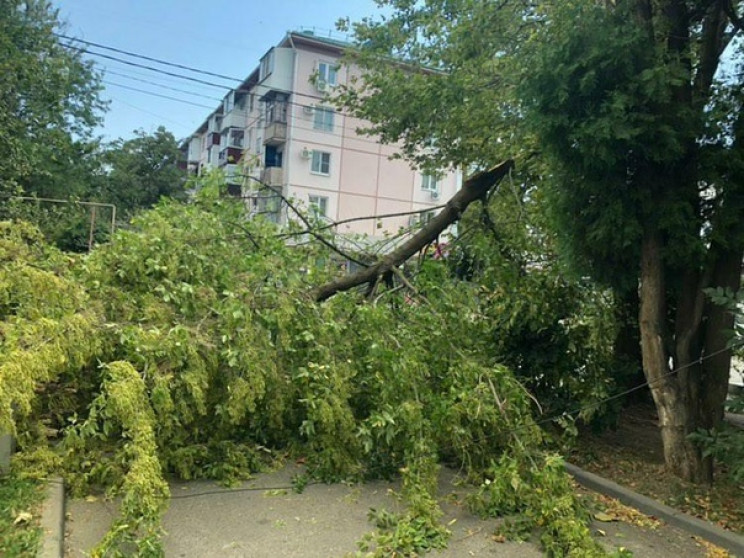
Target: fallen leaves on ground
(615, 511)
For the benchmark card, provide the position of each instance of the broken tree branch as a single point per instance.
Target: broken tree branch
(475, 188)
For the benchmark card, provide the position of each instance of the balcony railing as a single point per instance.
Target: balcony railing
(275, 133)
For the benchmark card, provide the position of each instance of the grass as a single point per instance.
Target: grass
(20, 501)
(632, 456)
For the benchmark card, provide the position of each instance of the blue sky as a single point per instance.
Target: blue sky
(219, 36)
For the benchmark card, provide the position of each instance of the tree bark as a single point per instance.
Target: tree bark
(475, 188)
(715, 368)
(670, 395)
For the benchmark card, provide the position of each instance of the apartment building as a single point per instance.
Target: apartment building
(278, 125)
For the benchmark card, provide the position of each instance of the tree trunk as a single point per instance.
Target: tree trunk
(670, 394)
(716, 367)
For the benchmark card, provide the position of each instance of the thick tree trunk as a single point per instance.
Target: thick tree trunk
(715, 368)
(671, 396)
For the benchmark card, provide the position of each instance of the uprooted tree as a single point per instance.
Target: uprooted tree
(192, 345)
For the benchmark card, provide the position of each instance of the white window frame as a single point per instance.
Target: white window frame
(326, 71)
(319, 160)
(318, 205)
(324, 119)
(430, 182)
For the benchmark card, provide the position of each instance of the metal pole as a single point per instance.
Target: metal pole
(91, 235)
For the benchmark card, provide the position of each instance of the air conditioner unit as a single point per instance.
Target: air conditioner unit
(434, 194)
(306, 153)
(321, 85)
(308, 109)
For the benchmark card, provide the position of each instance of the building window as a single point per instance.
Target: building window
(323, 119)
(327, 73)
(240, 100)
(429, 183)
(318, 206)
(276, 109)
(228, 103)
(266, 66)
(428, 216)
(236, 137)
(321, 163)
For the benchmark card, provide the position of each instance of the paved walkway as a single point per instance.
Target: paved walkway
(262, 519)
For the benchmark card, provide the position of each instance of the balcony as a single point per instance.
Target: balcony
(236, 118)
(213, 138)
(275, 133)
(272, 176)
(233, 173)
(230, 155)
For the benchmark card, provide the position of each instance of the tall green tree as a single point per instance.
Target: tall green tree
(137, 172)
(616, 114)
(49, 100)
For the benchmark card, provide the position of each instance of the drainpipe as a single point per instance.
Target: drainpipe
(290, 109)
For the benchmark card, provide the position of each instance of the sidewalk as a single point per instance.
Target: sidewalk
(263, 519)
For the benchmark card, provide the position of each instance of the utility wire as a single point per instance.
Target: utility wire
(148, 58)
(151, 68)
(135, 107)
(155, 84)
(154, 94)
(211, 84)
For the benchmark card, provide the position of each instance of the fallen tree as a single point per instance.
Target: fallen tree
(475, 188)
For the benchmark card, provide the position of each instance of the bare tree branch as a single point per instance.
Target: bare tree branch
(320, 238)
(364, 218)
(475, 188)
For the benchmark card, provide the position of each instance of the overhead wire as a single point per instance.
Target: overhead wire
(210, 84)
(148, 58)
(162, 86)
(137, 89)
(135, 107)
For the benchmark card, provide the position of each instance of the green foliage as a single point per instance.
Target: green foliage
(139, 171)
(725, 444)
(48, 96)
(541, 493)
(19, 496)
(48, 323)
(124, 403)
(220, 358)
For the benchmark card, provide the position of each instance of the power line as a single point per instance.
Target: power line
(211, 84)
(154, 94)
(135, 107)
(148, 58)
(155, 84)
(151, 68)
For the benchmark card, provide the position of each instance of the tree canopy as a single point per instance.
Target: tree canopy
(137, 172)
(48, 97)
(627, 133)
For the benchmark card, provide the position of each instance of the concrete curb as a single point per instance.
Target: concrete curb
(53, 521)
(726, 539)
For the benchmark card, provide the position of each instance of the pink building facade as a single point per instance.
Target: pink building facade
(278, 130)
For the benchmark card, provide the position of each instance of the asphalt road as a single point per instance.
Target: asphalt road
(206, 521)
